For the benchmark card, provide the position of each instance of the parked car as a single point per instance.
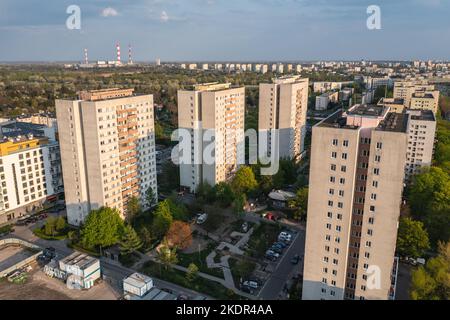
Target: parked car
(201, 218)
(182, 297)
(251, 284)
(23, 221)
(276, 250)
(295, 259)
(244, 227)
(282, 244)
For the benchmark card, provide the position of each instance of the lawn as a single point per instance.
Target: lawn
(199, 259)
(211, 288)
(262, 238)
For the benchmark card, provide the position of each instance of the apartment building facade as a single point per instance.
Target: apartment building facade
(417, 94)
(421, 138)
(27, 175)
(107, 149)
(283, 106)
(356, 182)
(211, 116)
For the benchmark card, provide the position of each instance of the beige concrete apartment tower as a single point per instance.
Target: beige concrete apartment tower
(207, 110)
(356, 183)
(283, 105)
(107, 150)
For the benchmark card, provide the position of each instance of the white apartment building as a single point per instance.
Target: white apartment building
(325, 99)
(282, 106)
(355, 193)
(27, 165)
(421, 137)
(213, 114)
(107, 149)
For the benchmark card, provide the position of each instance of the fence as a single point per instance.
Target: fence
(24, 262)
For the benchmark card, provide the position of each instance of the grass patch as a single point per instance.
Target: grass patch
(262, 238)
(199, 259)
(6, 229)
(213, 289)
(39, 232)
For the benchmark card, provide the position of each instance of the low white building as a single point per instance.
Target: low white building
(325, 99)
(137, 285)
(82, 270)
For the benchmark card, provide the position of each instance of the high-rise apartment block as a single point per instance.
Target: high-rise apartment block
(213, 115)
(282, 106)
(421, 137)
(356, 182)
(417, 94)
(107, 149)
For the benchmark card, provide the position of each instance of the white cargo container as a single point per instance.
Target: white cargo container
(137, 284)
(82, 270)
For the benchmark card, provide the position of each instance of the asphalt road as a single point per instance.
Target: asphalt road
(285, 270)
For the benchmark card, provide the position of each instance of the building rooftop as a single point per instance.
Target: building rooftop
(80, 260)
(336, 120)
(394, 122)
(388, 101)
(138, 280)
(367, 110)
(289, 79)
(212, 86)
(424, 115)
(105, 94)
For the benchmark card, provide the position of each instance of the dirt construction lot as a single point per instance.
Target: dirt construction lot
(41, 287)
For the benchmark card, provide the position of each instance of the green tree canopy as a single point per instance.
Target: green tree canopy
(167, 256)
(150, 197)
(192, 272)
(134, 208)
(162, 219)
(224, 194)
(244, 180)
(300, 203)
(432, 282)
(412, 239)
(60, 223)
(102, 228)
(129, 241)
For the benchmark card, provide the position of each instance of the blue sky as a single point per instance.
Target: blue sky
(177, 30)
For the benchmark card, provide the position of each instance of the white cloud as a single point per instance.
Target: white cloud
(164, 17)
(109, 12)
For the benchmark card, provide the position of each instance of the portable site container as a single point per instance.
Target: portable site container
(137, 284)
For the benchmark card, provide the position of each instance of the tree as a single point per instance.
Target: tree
(162, 219)
(300, 203)
(192, 272)
(146, 237)
(244, 180)
(224, 194)
(150, 197)
(102, 228)
(50, 226)
(239, 203)
(129, 241)
(167, 256)
(432, 282)
(60, 224)
(412, 239)
(179, 235)
(429, 197)
(206, 192)
(133, 208)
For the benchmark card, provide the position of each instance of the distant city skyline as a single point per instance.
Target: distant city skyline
(218, 30)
